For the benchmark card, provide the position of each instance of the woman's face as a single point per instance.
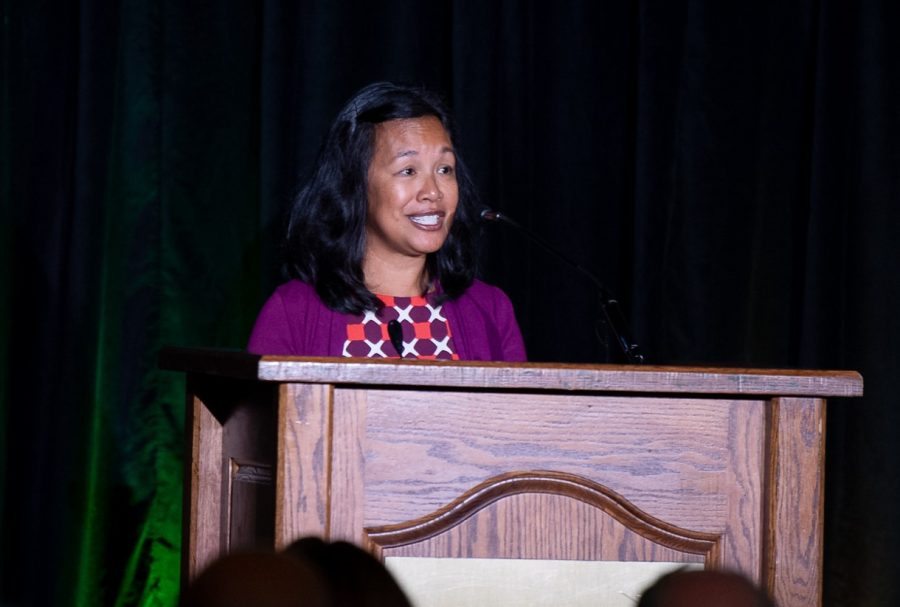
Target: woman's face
(412, 189)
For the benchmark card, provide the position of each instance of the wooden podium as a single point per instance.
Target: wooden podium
(722, 467)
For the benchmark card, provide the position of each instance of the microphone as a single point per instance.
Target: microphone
(608, 304)
(395, 332)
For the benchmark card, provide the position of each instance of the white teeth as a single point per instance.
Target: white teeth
(425, 220)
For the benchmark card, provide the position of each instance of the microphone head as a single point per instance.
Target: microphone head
(490, 215)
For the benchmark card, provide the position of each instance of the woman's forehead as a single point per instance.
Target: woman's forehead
(405, 135)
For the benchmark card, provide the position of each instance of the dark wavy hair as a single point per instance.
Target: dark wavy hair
(326, 229)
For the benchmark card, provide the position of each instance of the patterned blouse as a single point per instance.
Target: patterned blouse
(426, 332)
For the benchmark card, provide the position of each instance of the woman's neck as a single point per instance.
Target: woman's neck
(403, 277)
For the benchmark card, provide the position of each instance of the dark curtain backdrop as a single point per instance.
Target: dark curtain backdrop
(730, 170)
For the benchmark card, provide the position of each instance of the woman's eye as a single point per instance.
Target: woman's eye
(408, 171)
(446, 170)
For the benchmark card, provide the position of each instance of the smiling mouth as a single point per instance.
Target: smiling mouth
(427, 221)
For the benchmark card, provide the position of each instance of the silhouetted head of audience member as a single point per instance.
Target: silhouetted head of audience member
(353, 576)
(259, 579)
(700, 588)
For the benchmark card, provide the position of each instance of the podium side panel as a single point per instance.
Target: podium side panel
(203, 491)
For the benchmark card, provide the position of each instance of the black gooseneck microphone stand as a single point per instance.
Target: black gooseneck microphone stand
(612, 313)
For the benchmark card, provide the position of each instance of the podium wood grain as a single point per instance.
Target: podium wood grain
(707, 465)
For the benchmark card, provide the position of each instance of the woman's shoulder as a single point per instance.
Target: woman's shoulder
(290, 321)
(296, 300)
(489, 324)
(484, 299)
(483, 292)
(295, 289)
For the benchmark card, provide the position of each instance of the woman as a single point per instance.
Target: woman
(380, 246)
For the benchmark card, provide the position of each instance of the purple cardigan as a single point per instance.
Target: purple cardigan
(295, 322)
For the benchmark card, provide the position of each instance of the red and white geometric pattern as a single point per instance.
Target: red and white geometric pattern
(426, 333)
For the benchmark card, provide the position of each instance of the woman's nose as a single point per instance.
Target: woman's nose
(431, 189)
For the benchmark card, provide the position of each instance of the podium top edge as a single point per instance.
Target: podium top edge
(514, 376)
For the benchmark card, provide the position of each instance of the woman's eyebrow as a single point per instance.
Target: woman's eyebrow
(405, 153)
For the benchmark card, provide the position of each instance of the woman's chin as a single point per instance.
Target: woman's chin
(427, 246)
